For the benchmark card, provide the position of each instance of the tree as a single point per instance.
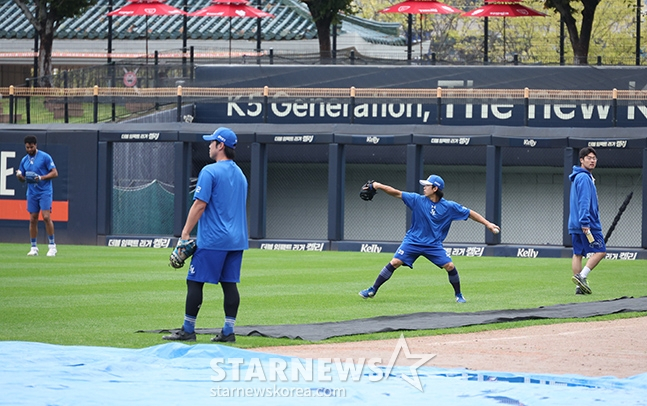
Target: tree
(580, 41)
(324, 14)
(46, 16)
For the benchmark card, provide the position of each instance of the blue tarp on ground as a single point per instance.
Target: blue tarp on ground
(174, 373)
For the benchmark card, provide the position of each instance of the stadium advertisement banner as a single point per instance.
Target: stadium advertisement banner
(583, 114)
(251, 107)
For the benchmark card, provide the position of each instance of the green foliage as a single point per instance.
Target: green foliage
(89, 295)
(535, 40)
(45, 16)
(330, 9)
(56, 10)
(70, 8)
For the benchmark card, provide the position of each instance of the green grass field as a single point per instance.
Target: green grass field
(100, 296)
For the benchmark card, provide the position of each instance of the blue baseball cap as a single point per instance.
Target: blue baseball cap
(433, 180)
(224, 135)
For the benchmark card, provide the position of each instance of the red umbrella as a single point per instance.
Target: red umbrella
(230, 8)
(146, 8)
(503, 8)
(419, 7)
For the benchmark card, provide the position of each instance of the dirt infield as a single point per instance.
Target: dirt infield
(603, 348)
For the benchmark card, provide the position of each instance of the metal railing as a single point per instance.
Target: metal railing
(32, 105)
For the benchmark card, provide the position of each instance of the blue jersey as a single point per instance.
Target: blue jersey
(223, 225)
(41, 164)
(430, 221)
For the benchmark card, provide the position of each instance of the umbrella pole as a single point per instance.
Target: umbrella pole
(409, 35)
(505, 60)
(146, 34)
(421, 37)
(230, 40)
(485, 41)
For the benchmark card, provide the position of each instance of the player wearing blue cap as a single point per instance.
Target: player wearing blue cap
(431, 218)
(219, 210)
(37, 168)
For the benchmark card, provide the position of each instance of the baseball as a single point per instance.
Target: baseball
(496, 231)
(18, 173)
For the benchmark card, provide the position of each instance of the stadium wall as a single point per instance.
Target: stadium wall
(542, 109)
(131, 184)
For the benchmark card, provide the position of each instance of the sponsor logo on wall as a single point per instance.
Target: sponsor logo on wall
(140, 242)
(310, 246)
(527, 253)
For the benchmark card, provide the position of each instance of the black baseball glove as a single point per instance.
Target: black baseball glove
(368, 191)
(32, 177)
(182, 251)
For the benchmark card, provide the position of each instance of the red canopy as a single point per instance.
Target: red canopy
(230, 8)
(421, 7)
(504, 8)
(146, 8)
(234, 8)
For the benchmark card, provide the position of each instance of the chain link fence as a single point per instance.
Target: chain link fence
(383, 218)
(143, 188)
(297, 192)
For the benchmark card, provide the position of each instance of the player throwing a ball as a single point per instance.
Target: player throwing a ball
(432, 215)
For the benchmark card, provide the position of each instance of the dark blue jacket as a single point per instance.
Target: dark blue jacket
(584, 210)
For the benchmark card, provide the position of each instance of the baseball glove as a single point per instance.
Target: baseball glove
(182, 251)
(31, 177)
(368, 191)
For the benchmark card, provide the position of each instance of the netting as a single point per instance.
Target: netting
(143, 210)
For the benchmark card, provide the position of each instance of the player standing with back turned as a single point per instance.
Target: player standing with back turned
(431, 218)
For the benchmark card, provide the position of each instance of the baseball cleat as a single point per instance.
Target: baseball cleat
(578, 291)
(221, 338)
(180, 335)
(33, 252)
(367, 293)
(52, 250)
(581, 282)
(460, 298)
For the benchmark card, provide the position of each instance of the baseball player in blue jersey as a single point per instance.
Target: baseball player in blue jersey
(37, 168)
(219, 210)
(584, 220)
(431, 218)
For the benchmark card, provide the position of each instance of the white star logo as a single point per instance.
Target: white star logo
(414, 379)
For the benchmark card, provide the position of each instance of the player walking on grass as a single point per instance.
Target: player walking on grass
(584, 224)
(431, 218)
(37, 168)
(219, 210)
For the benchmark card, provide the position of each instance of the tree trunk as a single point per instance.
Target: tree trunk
(323, 31)
(586, 29)
(322, 19)
(45, 55)
(581, 40)
(45, 59)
